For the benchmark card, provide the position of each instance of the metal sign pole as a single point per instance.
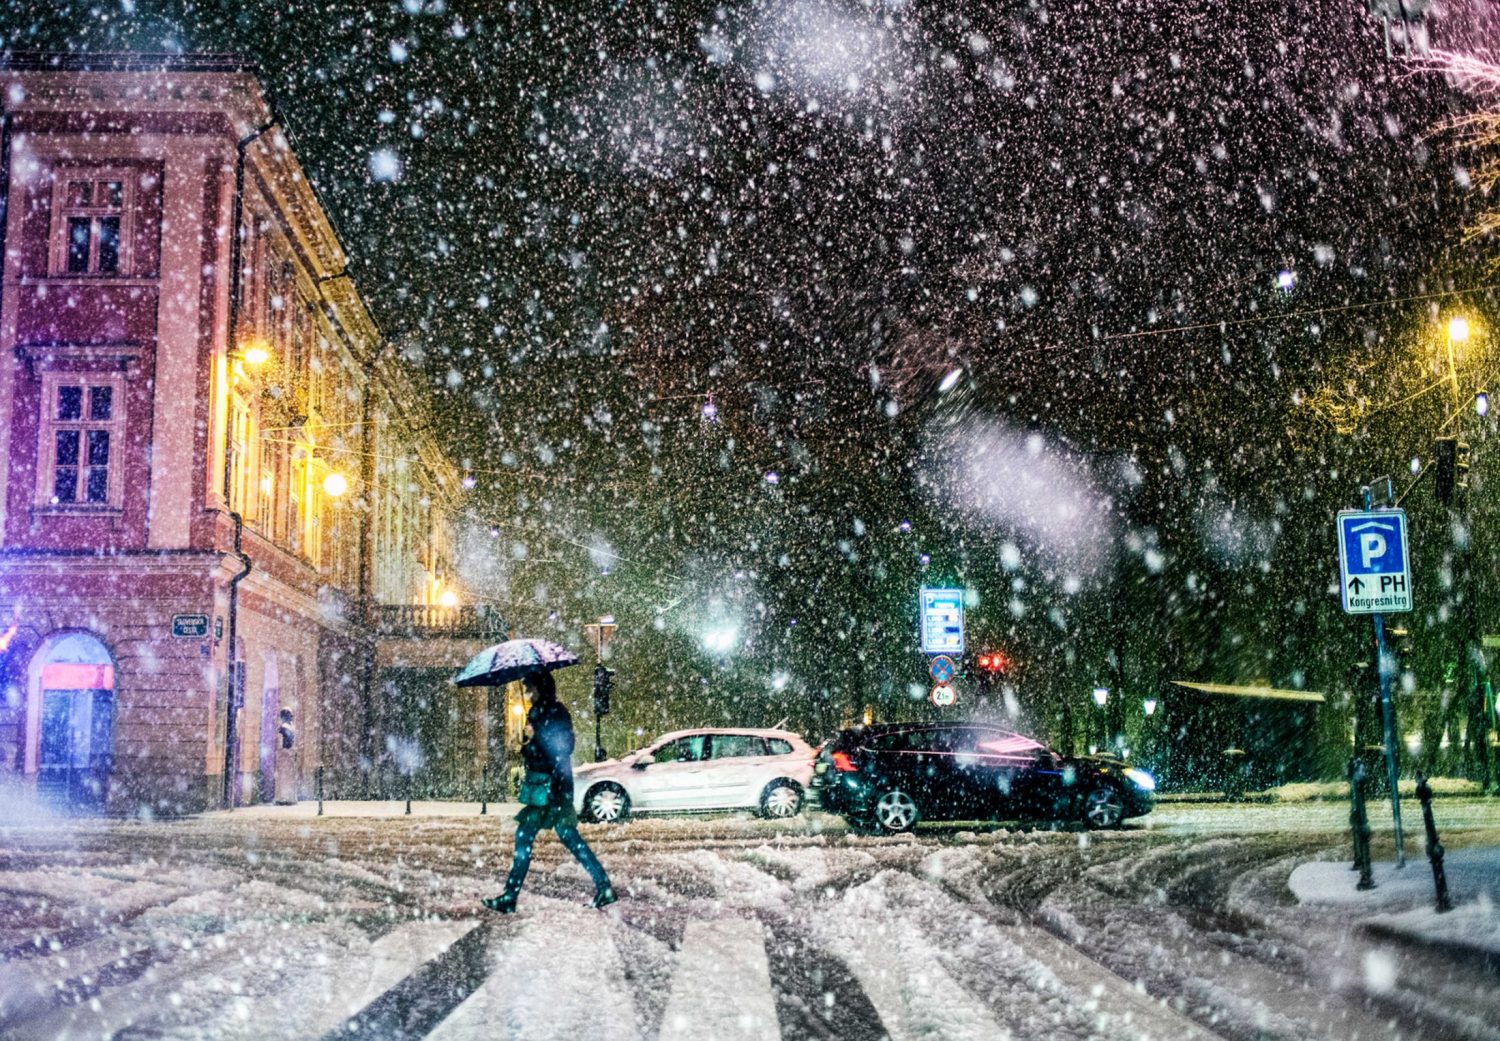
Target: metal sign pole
(1388, 715)
(1387, 711)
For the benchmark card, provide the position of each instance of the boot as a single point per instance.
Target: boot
(605, 895)
(505, 903)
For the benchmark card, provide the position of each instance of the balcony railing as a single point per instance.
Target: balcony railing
(469, 622)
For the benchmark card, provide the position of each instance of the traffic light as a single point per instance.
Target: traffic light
(604, 682)
(992, 662)
(1450, 474)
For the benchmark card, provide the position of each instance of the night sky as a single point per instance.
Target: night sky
(922, 259)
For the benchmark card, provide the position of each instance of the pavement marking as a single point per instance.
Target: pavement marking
(721, 988)
(900, 969)
(560, 978)
(32, 985)
(314, 1004)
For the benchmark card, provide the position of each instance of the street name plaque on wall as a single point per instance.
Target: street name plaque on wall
(190, 626)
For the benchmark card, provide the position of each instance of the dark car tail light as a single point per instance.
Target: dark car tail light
(844, 763)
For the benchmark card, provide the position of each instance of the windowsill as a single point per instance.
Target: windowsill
(89, 280)
(77, 509)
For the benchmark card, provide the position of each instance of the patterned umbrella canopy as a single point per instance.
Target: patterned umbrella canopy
(498, 665)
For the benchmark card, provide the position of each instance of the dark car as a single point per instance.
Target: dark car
(889, 776)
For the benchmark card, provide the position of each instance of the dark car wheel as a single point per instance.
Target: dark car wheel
(781, 799)
(1103, 807)
(896, 811)
(606, 803)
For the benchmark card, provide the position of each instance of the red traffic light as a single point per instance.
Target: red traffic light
(993, 662)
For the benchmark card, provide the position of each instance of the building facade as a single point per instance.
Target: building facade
(217, 489)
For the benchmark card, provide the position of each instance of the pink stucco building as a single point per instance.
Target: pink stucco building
(180, 347)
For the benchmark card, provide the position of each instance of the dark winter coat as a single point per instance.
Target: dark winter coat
(549, 750)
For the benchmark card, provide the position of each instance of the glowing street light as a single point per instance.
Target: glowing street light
(721, 639)
(1150, 706)
(334, 485)
(448, 599)
(1101, 695)
(1482, 402)
(1458, 329)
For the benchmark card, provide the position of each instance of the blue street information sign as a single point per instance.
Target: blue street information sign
(942, 621)
(1374, 572)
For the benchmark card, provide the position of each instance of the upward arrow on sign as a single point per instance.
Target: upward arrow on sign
(1357, 584)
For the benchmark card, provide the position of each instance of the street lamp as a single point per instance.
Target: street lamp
(1458, 329)
(1482, 403)
(334, 485)
(1101, 698)
(1150, 706)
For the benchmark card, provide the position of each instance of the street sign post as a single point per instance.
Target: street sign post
(1374, 572)
(1375, 579)
(943, 621)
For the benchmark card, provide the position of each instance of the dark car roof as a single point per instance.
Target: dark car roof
(855, 733)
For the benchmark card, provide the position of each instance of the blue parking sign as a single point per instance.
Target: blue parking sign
(1374, 569)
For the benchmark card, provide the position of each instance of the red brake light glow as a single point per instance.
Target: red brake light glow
(843, 764)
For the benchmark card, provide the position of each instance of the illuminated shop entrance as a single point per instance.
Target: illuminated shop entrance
(75, 715)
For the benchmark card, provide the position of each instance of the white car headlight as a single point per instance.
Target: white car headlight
(1141, 779)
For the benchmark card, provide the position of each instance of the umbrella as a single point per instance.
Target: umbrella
(498, 665)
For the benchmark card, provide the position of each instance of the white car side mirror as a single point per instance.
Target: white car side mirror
(643, 761)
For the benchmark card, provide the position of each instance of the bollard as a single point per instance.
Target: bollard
(1434, 847)
(408, 795)
(319, 774)
(484, 789)
(1359, 824)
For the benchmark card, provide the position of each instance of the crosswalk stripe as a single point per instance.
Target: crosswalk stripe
(721, 988)
(560, 978)
(900, 969)
(313, 1004)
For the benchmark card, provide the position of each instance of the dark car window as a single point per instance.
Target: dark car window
(778, 746)
(736, 746)
(683, 750)
(933, 740)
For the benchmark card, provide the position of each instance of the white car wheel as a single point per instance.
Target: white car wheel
(781, 799)
(607, 804)
(896, 811)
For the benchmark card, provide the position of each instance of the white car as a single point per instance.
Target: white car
(711, 769)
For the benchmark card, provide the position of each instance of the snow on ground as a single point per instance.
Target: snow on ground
(1475, 926)
(1472, 874)
(283, 927)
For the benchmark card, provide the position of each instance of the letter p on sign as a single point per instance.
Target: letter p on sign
(1371, 548)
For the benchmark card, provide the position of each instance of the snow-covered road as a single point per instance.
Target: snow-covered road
(282, 926)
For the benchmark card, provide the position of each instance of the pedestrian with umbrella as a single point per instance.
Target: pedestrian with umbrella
(547, 788)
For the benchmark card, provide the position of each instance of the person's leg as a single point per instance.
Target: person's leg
(521, 861)
(580, 849)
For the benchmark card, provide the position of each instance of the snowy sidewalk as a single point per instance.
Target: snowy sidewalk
(365, 808)
(1401, 905)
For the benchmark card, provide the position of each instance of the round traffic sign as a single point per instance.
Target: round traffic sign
(944, 695)
(942, 669)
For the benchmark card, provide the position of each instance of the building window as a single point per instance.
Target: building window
(240, 431)
(80, 444)
(92, 215)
